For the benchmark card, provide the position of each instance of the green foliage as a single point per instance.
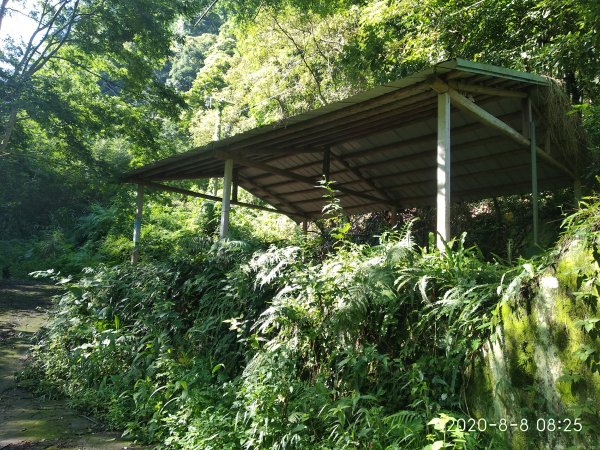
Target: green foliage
(335, 222)
(190, 60)
(133, 82)
(273, 349)
(322, 344)
(229, 347)
(447, 433)
(583, 224)
(582, 227)
(133, 335)
(79, 103)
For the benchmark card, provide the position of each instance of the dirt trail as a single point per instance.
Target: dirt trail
(26, 420)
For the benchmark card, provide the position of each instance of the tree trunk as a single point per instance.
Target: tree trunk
(2, 11)
(8, 130)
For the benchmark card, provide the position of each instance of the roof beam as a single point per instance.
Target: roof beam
(394, 122)
(270, 151)
(190, 163)
(426, 139)
(428, 169)
(487, 119)
(190, 166)
(275, 197)
(340, 115)
(184, 176)
(164, 187)
(310, 164)
(295, 191)
(378, 126)
(431, 180)
(395, 119)
(431, 137)
(307, 191)
(430, 153)
(354, 122)
(342, 196)
(431, 170)
(173, 170)
(357, 173)
(180, 164)
(314, 146)
(478, 89)
(301, 178)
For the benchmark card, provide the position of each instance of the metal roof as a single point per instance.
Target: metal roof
(382, 146)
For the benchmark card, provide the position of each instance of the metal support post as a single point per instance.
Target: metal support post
(225, 207)
(443, 170)
(137, 225)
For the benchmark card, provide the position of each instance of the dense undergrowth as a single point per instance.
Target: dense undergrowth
(276, 348)
(234, 347)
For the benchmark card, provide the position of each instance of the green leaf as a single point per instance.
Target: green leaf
(588, 324)
(584, 352)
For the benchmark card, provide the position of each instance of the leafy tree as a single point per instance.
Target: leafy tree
(554, 37)
(190, 60)
(131, 38)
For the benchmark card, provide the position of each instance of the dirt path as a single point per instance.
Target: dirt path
(27, 421)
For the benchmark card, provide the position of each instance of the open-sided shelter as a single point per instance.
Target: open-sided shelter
(457, 131)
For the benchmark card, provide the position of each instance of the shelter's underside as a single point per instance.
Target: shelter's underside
(380, 146)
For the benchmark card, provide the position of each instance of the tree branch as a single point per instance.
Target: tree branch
(111, 84)
(303, 57)
(48, 52)
(52, 40)
(43, 59)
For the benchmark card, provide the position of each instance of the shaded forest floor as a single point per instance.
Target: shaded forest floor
(28, 421)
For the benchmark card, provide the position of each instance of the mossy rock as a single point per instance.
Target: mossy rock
(543, 362)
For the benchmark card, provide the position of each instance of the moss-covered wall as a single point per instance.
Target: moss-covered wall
(544, 360)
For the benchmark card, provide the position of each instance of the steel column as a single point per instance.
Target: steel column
(225, 207)
(137, 225)
(443, 170)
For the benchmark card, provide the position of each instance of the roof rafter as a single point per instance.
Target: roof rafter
(462, 102)
(276, 197)
(301, 178)
(164, 187)
(429, 138)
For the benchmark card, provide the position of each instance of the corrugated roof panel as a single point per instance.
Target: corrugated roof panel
(370, 94)
(493, 71)
(292, 161)
(389, 134)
